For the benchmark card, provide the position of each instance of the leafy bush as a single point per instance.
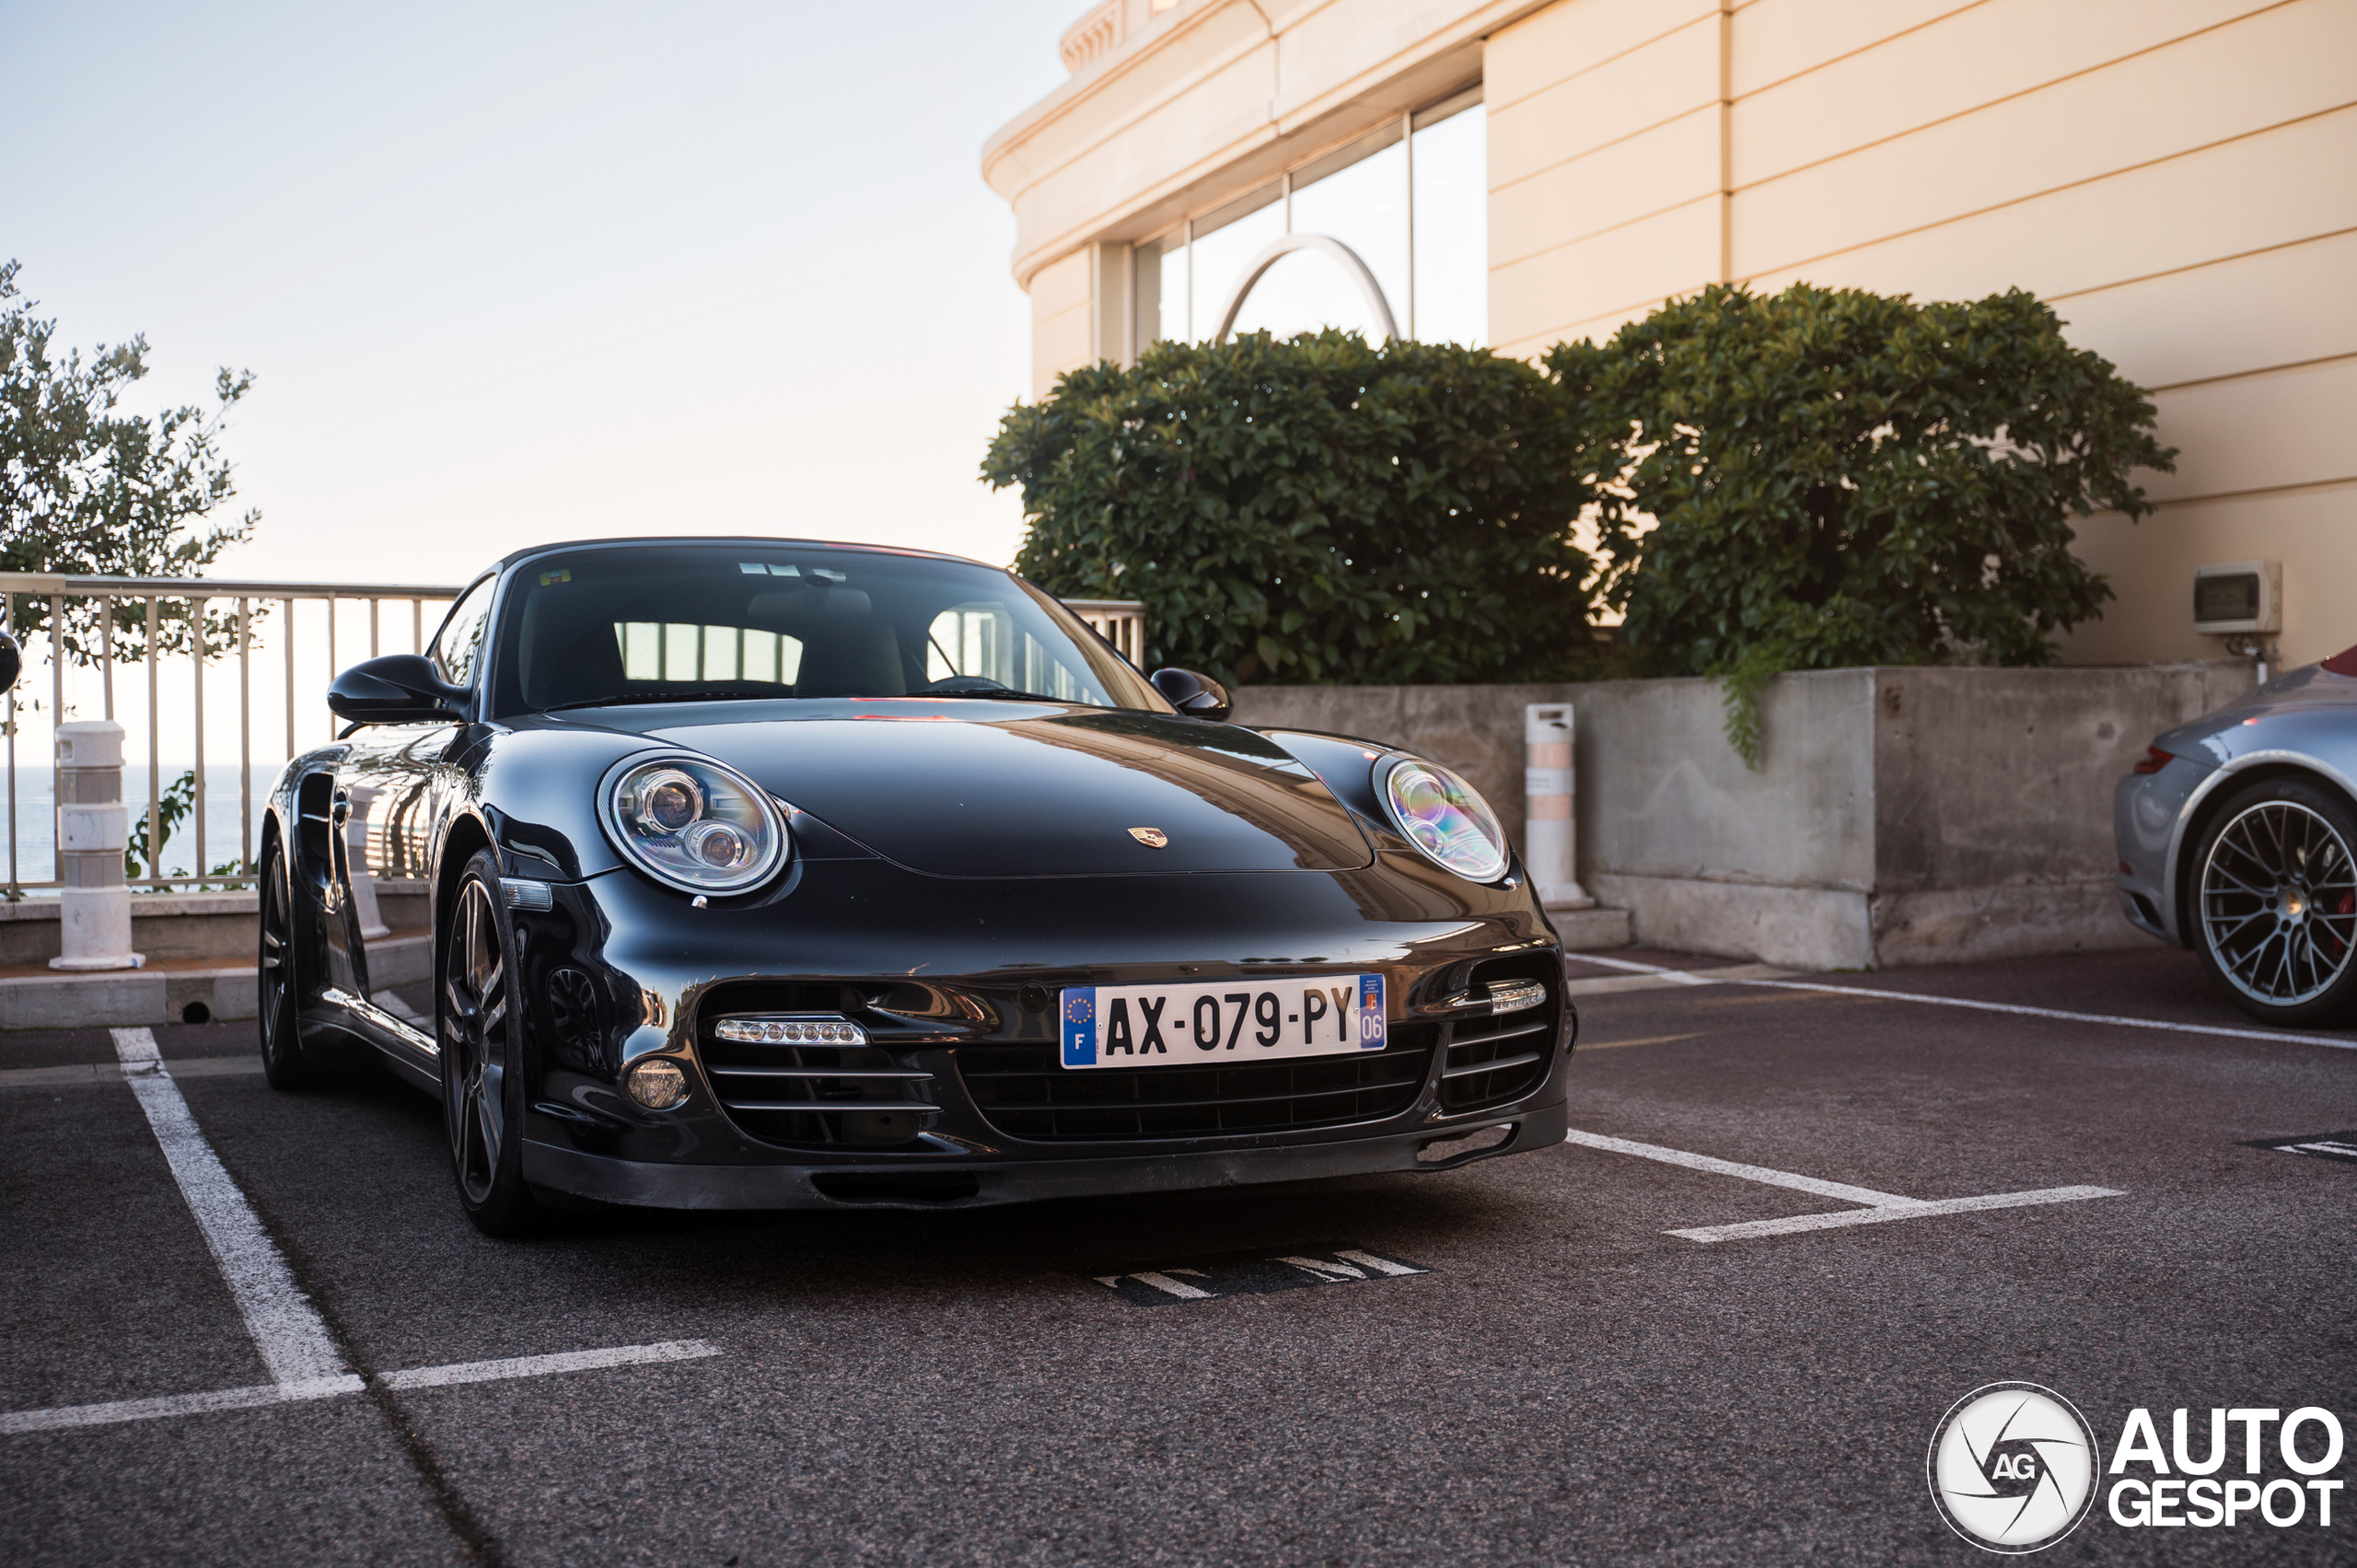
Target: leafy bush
(86, 490)
(1829, 478)
(1314, 510)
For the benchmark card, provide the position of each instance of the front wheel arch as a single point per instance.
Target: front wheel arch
(2186, 873)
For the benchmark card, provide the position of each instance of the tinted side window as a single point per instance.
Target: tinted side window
(457, 647)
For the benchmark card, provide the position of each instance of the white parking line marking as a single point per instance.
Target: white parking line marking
(89, 1075)
(1734, 977)
(1879, 1206)
(1895, 1212)
(1867, 1195)
(286, 1329)
(542, 1366)
(175, 1404)
(66, 1416)
(1380, 1265)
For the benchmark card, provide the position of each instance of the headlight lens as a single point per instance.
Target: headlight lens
(1446, 818)
(695, 825)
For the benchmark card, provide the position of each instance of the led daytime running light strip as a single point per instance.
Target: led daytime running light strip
(807, 1029)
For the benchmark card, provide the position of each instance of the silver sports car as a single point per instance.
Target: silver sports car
(2235, 833)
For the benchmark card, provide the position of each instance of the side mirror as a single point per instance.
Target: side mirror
(12, 661)
(397, 688)
(1197, 696)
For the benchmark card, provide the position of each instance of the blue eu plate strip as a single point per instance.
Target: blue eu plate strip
(1371, 1026)
(1080, 1026)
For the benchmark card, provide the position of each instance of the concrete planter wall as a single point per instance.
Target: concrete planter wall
(1897, 817)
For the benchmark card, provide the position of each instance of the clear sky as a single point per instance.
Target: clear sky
(507, 272)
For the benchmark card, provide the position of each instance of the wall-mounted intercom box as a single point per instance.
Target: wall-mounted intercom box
(2238, 597)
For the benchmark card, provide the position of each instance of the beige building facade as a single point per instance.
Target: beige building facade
(2177, 177)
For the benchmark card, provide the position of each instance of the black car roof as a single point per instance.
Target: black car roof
(513, 558)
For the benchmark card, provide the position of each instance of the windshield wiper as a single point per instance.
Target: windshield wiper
(629, 700)
(978, 685)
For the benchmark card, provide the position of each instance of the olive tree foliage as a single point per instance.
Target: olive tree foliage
(89, 490)
(1313, 510)
(1828, 478)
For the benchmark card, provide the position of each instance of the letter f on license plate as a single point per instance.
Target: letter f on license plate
(1243, 1020)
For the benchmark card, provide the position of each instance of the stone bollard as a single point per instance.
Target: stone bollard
(1548, 832)
(93, 828)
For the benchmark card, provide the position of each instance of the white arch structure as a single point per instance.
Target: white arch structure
(1326, 245)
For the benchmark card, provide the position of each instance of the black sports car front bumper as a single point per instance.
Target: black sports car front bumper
(897, 1184)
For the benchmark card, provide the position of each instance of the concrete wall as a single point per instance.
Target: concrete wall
(1897, 817)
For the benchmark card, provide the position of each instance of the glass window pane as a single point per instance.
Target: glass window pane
(1305, 291)
(1364, 205)
(1452, 230)
(1245, 229)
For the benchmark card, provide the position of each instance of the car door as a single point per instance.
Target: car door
(388, 793)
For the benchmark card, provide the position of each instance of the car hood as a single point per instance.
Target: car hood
(1021, 789)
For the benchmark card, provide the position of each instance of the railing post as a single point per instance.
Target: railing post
(93, 826)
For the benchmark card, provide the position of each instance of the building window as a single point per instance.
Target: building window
(1393, 224)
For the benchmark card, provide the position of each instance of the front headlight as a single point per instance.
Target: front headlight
(1446, 818)
(694, 824)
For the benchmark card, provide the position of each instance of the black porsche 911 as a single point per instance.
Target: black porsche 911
(771, 874)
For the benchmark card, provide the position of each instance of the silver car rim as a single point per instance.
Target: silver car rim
(474, 1040)
(2279, 904)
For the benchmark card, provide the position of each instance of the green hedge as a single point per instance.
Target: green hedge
(1316, 510)
(1830, 478)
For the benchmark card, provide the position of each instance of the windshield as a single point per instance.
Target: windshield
(677, 622)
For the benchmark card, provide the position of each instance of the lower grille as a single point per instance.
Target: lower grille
(819, 1094)
(1022, 1091)
(1493, 1059)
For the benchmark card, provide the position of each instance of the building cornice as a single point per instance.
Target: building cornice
(1437, 47)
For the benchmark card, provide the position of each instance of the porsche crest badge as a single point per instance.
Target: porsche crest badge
(1152, 838)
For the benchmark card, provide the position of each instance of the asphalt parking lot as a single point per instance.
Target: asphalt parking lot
(1613, 1350)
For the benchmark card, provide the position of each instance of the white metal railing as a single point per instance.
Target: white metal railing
(1120, 622)
(82, 683)
(76, 668)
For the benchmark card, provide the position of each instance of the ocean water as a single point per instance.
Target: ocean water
(33, 831)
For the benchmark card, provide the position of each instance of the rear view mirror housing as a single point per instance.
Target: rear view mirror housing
(1197, 696)
(12, 662)
(398, 689)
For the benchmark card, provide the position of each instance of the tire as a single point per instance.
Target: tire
(2274, 903)
(481, 1039)
(279, 992)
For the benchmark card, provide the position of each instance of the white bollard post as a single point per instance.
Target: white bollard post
(93, 828)
(1548, 832)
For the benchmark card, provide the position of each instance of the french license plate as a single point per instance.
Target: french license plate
(1224, 1022)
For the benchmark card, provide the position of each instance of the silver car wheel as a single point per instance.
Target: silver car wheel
(2279, 904)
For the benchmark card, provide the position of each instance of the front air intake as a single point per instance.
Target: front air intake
(1495, 1057)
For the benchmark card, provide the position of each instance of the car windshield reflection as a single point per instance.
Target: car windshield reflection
(599, 627)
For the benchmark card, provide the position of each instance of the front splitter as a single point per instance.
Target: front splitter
(897, 1184)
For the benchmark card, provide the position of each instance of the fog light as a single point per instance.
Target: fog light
(1516, 995)
(657, 1083)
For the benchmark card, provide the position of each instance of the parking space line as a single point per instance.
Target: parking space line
(89, 1075)
(286, 1329)
(1879, 1206)
(1907, 1211)
(66, 1416)
(542, 1366)
(1732, 977)
(1747, 1172)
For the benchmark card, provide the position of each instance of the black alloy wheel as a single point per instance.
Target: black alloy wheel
(482, 1035)
(279, 996)
(2275, 902)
